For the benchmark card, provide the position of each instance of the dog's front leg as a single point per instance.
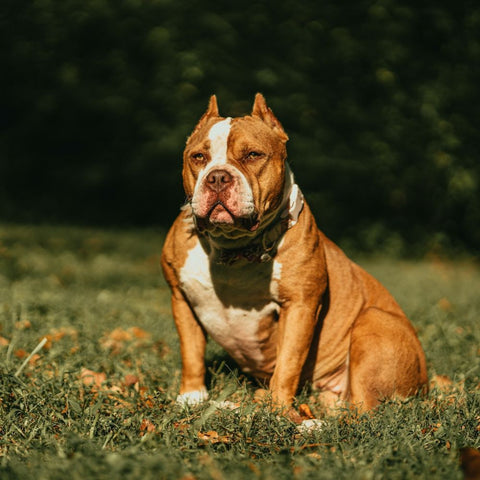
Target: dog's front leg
(192, 349)
(297, 325)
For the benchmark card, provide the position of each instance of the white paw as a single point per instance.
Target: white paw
(311, 425)
(192, 398)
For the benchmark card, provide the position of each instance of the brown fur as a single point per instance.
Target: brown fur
(337, 327)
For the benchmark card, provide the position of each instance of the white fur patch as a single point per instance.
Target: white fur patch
(311, 425)
(192, 398)
(232, 309)
(276, 272)
(218, 136)
(295, 198)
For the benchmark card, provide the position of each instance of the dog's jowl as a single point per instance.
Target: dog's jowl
(248, 266)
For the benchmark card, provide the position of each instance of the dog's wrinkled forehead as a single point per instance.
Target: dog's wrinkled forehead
(216, 139)
(222, 135)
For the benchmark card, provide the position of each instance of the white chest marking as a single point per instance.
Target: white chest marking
(231, 310)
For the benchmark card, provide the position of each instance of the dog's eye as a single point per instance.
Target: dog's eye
(253, 155)
(198, 157)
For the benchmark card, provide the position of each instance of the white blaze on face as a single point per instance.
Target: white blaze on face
(218, 136)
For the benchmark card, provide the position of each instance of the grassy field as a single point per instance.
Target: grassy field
(97, 400)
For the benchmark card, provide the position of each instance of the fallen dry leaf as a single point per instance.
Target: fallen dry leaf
(117, 339)
(147, 427)
(34, 359)
(431, 428)
(305, 411)
(130, 380)
(23, 324)
(20, 353)
(213, 437)
(139, 333)
(119, 335)
(442, 382)
(57, 334)
(182, 425)
(126, 394)
(447, 390)
(445, 305)
(148, 401)
(92, 379)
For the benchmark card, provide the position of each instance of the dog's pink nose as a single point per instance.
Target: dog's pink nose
(218, 180)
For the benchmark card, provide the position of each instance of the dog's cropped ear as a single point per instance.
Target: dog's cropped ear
(212, 111)
(262, 111)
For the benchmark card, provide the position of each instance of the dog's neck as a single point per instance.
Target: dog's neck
(261, 246)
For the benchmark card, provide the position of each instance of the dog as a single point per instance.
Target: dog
(248, 266)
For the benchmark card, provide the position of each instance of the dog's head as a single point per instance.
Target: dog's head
(234, 170)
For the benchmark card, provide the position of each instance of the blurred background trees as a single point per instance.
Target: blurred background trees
(380, 100)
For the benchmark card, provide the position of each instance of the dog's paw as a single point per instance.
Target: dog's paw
(192, 398)
(311, 425)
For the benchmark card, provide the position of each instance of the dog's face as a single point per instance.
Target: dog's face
(234, 169)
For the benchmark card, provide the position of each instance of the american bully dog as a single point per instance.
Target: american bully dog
(248, 266)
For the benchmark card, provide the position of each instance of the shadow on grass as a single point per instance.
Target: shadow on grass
(220, 365)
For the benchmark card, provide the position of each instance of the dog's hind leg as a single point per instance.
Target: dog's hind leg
(386, 359)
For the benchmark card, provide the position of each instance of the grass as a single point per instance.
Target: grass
(97, 401)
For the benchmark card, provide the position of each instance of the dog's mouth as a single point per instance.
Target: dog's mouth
(220, 215)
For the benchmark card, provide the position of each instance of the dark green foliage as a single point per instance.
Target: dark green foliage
(380, 100)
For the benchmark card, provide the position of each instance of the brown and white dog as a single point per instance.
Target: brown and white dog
(248, 266)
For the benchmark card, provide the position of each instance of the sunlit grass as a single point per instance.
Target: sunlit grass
(98, 400)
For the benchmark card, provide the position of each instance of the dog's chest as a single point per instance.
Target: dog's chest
(236, 304)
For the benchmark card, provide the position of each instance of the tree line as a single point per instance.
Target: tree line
(379, 98)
